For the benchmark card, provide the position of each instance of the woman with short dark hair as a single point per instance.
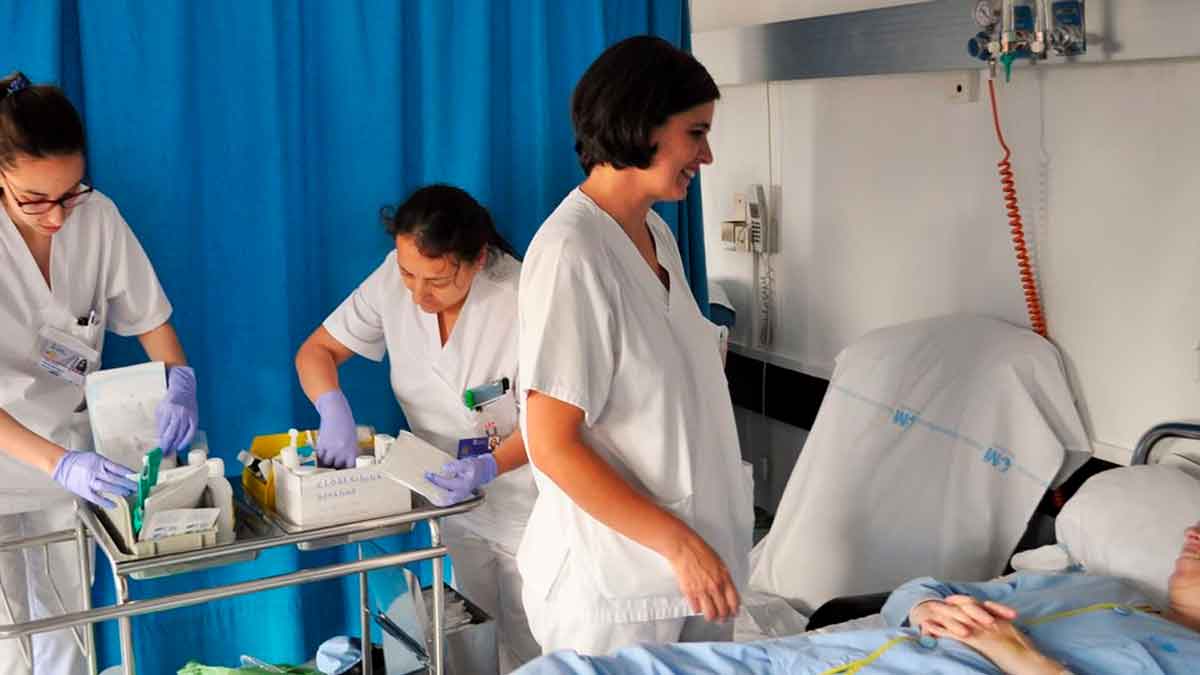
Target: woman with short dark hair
(643, 518)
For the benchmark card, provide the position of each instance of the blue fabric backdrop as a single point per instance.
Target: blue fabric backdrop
(250, 146)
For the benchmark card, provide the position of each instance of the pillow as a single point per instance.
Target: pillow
(1129, 523)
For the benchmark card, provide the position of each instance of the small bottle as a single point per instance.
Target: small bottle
(290, 458)
(197, 456)
(383, 443)
(221, 493)
(365, 434)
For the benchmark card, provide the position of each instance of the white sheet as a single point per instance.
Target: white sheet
(933, 446)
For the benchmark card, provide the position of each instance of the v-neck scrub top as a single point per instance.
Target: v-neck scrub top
(601, 332)
(429, 379)
(96, 265)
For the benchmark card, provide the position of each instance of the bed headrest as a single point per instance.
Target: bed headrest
(1129, 522)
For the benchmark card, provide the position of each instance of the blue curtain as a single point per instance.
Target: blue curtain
(250, 146)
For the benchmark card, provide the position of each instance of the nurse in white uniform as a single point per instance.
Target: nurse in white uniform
(70, 268)
(641, 529)
(443, 307)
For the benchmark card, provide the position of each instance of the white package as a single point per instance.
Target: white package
(121, 408)
(173, 522)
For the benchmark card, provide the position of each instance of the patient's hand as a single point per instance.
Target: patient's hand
(958, 616)
(987, 628)
(1011, 650)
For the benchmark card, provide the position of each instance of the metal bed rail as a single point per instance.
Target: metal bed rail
(1141, 452)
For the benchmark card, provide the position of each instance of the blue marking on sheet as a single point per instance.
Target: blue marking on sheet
(855, 395)
(1001, 459)
(904, 418)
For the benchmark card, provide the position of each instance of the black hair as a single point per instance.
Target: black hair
(629, 91)
(36, 120)
(445, 220)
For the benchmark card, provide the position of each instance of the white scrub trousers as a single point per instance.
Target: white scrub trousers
(487, 575)
(557, 622)
(30, 596)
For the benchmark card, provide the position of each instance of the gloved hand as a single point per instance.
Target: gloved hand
(178, 413)
(87, 474)
(461, 477)
(337, 442)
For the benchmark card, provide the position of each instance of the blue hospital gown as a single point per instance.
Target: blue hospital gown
(1096, 637)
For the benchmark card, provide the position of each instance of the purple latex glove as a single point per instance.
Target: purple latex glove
(462, 477)
(89, 474)
(178, 413)
(337, 442)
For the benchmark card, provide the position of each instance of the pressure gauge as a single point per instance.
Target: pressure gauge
(985, 14)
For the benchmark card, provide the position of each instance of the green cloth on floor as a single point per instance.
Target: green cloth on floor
(193, 668)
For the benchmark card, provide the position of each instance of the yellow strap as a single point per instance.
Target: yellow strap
(855, 666)
(1083, 610)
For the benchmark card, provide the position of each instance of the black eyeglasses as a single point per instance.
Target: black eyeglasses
(36, 207)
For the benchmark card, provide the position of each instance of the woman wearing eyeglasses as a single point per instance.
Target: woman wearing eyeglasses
(70, 268)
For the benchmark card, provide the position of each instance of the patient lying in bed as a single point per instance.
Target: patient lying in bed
(1028, 624)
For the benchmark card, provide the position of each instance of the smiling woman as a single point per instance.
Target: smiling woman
(641, 522)
(69, 268)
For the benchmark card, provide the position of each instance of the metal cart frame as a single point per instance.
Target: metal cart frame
(271, 533)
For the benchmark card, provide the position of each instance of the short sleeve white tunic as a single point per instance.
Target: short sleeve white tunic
(599, 331)
(429, 379)
(96, 265)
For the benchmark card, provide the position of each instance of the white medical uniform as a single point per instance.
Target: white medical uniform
(96, 265)
(600, 331)
(429, 380)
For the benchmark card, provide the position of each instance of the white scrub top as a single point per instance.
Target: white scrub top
(429, 379)
(601, 332)
(96, 264)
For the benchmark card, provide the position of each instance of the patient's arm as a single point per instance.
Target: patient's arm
(908, 596)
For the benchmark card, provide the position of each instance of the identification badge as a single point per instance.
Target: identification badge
(471, 447)
(65, 356)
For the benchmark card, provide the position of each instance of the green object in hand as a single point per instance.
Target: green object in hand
(146, 481)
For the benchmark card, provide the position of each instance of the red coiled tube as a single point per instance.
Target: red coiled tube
(1033, 304)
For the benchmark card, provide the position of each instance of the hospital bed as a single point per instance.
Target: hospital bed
(1123, 522)
(258, 530)
(862, 611)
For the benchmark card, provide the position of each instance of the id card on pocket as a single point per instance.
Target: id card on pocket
(65, 356)
(472, 447)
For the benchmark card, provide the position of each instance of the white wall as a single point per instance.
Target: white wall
(891, 210)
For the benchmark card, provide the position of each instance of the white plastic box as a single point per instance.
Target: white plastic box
(312, 499)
